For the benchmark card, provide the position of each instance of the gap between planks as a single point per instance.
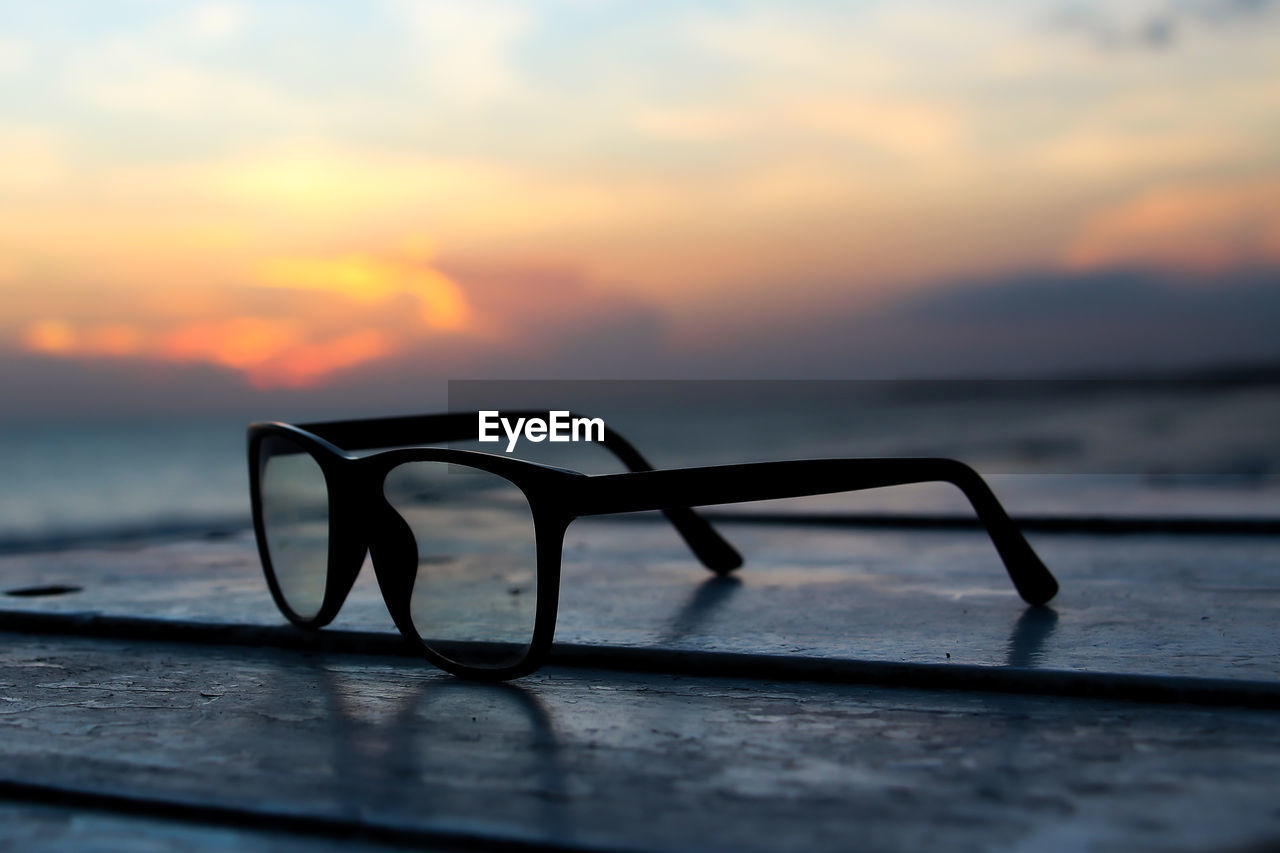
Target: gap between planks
(706, 664)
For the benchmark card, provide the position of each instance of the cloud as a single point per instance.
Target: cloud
(900, 126)
(34, 161)
(309, 321)
(371, 281)
(273, 352)
(531, 321)
(304, 319)
(1109, 151)
(174, 89)
(1203, 226)
(555, 324)
(1097, 320)
(465, 47)
(462, 197)
(547, 315)
(14, 55)
(1036, 323)
(40, 388)
(782, 41)
(216, 21)
(1163, 26)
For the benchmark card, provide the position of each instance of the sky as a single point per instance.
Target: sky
(214, 203)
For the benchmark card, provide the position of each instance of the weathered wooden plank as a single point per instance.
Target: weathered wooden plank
(35, 827)
(652, 762)
(1202, 606)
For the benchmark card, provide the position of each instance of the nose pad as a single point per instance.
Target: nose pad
(395, 565)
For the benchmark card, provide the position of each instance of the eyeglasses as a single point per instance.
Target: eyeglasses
(466, 545)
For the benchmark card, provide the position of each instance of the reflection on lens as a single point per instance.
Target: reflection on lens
(295, 518)
(475, 595)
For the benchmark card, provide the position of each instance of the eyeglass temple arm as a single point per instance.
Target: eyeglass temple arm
(711, 549)
(727, 484)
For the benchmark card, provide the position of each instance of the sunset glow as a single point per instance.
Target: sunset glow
(296, 350)
(370, 281)
(485, 178)
(1203, 227)
(269, 352)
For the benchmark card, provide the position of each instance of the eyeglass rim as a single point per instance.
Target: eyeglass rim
(352, 480)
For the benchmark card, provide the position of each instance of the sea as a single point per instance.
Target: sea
(1134, 448)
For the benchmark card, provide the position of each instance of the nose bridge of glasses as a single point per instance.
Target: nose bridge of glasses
(394, 552)
(368, 524)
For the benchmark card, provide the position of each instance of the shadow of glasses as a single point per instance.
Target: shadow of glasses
(427, 748)
(708, 597)
(1030, 633)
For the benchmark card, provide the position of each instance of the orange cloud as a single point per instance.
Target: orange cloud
(337, 312)
(900, 126)
(270, 352)
(51, 337)
(307, 365)
(273, 353)
(116, 339)
(306, 319)
(1198, 227)
(55, 337)
(243, 343)
(370, 281)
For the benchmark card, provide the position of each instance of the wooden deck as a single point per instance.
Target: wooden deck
(854, 687)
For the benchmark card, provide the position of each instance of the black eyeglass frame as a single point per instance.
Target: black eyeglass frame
(362, 520)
